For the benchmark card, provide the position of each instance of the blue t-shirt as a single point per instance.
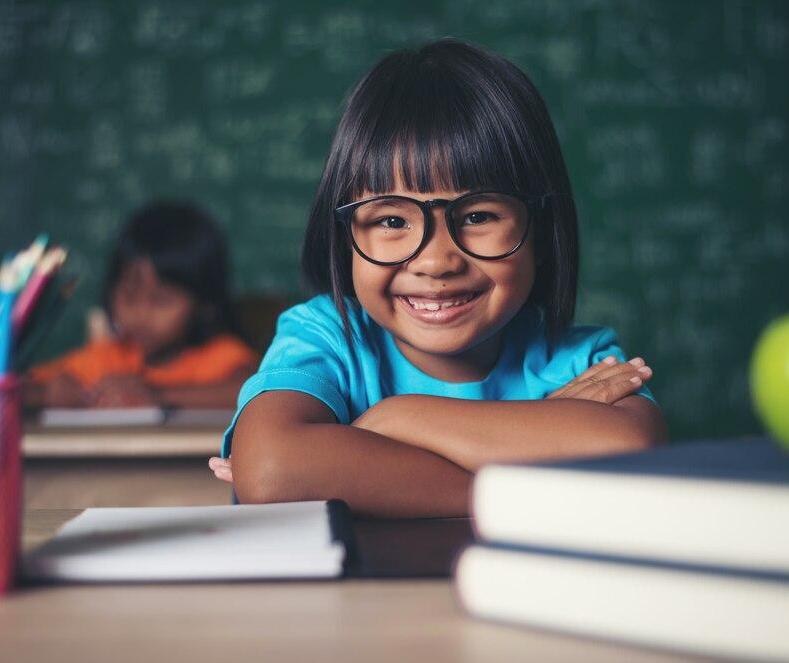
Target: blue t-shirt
(310, 353)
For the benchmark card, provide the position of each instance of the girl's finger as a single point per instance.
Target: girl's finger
(611, 390)
(592, 372)
(594, 369)
(558, 393)
(215, 462)
(630, 368)
(224, 474)
(601, 372)
(625, 370)
(598, 384)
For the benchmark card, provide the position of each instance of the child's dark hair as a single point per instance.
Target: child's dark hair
(187, 250)
(454, 116)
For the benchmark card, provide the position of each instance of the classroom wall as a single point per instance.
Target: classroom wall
(672, 115)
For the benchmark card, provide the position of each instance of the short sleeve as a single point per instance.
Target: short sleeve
(308, 354)
(603, 343)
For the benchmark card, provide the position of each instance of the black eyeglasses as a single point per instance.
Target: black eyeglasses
(489, 225)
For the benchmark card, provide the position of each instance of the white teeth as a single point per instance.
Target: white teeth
(437, 306)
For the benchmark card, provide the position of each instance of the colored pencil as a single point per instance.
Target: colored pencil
(8, 278)
(37, 283)
(47, 314)
(30, 258)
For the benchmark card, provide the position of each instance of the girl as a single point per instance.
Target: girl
(445, 232)
(173, 342)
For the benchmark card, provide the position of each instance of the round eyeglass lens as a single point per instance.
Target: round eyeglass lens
(388, 229)
(489, 224)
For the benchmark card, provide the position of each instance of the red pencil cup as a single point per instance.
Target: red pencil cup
(10, 478)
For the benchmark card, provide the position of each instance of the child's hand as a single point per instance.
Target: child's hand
(607, 382)
(385, 417)
(221, 468)
(64, 391)
(122, 391)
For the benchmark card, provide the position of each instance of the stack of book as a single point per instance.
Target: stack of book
(683, 547)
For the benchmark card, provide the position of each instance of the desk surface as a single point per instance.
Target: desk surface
(350, 620)
(195, 433)
(126, 442)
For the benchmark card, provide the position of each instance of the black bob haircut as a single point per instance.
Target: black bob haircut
(449, 115)
(187, 250)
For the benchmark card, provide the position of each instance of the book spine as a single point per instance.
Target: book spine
(702, 613)
(341, 525)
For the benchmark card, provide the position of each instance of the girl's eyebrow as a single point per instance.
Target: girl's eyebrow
(416, 195)
(487, 195)
(389, 201)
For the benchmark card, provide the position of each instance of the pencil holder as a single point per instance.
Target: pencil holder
(10, 478)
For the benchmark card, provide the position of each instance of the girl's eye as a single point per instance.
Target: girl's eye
(393, 223)
(478, 218)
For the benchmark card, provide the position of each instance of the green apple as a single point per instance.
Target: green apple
(770, 379)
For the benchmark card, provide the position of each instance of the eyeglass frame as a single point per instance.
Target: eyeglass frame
(343, 214)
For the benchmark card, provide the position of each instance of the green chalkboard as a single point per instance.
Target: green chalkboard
(672, 114)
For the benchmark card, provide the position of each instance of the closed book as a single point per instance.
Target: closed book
(719, 503)
(134, 417)
(67, 417)
(720, 613)
(155, 544)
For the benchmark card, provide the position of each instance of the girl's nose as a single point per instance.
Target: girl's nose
(440, 256)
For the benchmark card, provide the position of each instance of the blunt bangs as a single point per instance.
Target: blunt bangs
(432, 122)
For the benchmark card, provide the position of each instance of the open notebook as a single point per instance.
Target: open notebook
(291, 540)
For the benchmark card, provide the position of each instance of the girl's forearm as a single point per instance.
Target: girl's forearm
(371, 473)
(471, 433)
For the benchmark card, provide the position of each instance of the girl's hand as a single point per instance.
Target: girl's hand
(123, 391)
(64, 391)
(383, 417)
(222, 468)
(606, 382)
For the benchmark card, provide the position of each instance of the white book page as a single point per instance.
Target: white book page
(100, 417)
(271, 540)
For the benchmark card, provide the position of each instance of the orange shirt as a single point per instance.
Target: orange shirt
(204, 364)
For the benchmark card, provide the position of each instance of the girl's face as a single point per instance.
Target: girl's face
(149, 312)
(460, 342)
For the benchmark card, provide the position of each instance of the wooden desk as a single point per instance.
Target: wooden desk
(139, 442)
(142, 466)
(341, 621)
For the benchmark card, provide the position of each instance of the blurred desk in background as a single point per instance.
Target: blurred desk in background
(133, 466)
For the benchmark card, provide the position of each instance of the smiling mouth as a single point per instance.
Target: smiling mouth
(429, 304)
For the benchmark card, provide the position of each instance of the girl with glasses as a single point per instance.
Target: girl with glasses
(443, 239)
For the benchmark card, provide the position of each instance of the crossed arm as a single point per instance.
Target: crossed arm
(414, 455)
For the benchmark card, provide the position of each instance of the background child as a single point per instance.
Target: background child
(445, 232)
(173, 339)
